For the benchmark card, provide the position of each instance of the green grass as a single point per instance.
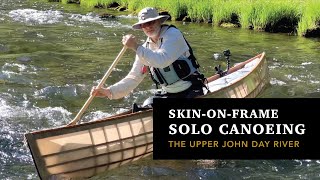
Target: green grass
(303, 15)
(310, 18)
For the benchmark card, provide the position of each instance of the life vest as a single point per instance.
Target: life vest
(180, 69)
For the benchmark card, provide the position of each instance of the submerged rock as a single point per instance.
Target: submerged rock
(216, 56)
(105, 16)
(3, 48)
(24, 59)
(229, 25)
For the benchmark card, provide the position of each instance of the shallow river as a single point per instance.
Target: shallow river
(51, 56)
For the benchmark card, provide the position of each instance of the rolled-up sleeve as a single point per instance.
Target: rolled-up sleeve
(129, 83)
(172, 47)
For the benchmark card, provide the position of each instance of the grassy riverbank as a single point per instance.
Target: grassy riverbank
(289, 16)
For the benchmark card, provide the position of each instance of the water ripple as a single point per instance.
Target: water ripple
(18, 73)
(275, 81)
(50, 91)
(38, 17)
(32, 16)
(32, 116)
(75, 19)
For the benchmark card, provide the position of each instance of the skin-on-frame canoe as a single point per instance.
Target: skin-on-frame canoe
(86, 149)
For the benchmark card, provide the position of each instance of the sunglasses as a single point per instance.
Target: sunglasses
(150, 23)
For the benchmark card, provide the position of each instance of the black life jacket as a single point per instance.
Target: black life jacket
(180, 69)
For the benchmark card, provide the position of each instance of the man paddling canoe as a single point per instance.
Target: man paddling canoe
(166, 55)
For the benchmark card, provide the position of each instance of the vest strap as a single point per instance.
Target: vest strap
(159, 79)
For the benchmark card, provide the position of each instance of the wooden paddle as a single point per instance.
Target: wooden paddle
(85, 106)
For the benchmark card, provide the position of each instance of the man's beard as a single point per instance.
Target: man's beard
(155, 33)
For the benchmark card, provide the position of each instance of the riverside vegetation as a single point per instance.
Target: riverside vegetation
(297, 17)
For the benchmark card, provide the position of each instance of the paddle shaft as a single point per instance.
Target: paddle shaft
(87, 103)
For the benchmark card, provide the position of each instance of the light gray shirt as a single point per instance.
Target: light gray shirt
(170, 46)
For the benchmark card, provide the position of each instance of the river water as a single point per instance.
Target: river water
(51, 55)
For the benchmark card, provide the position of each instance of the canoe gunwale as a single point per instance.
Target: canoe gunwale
(110, 120)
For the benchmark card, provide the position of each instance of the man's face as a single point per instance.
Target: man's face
(152, 28)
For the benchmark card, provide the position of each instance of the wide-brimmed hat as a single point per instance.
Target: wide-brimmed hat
(148, 14)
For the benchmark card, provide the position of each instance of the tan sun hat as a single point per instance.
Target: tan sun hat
(148, 14)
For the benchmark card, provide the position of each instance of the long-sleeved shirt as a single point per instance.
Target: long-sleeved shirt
(170, 46)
